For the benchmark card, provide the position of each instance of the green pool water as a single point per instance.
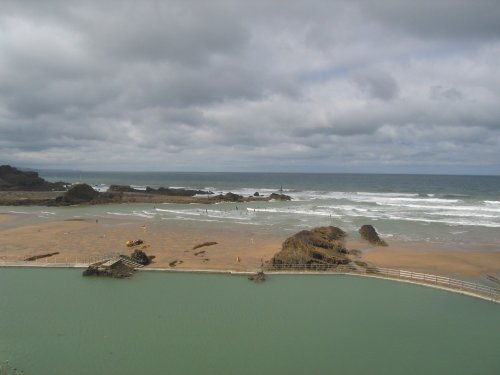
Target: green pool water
(53, 321)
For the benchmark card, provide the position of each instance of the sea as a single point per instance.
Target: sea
(447, 209)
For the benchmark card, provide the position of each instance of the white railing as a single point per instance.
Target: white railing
(461, 285)
(423, 278)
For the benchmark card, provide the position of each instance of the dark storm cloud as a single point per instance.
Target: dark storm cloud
(454, 19)
(265, 85)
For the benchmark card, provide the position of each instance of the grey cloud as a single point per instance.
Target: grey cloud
(218, 85)
(453, 19)
(377, 84)
(449, 93)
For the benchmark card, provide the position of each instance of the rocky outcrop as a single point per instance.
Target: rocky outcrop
(140, 257)
(77, 194)
(161, 191)
(319, 246)
(119, 270)
(123, 189)
(12, 179)
(176, 192)
(85, 194)
(369, 233)
(230, 197)
(280, 197)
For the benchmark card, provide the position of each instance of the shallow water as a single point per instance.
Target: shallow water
(445, 209)
(53, 321)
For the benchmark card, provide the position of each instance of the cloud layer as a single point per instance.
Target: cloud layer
(330, 86)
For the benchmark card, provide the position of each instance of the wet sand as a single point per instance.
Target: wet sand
(168, 240)
(173, 240)
(434, 259)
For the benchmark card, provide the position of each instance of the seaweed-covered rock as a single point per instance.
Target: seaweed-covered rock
(369, 233)
(323, 245)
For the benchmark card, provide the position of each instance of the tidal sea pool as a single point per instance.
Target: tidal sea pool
(54, 321)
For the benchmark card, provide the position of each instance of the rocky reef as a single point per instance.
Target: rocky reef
(173, 192)
(319, 246)
(27, 188)
(13, 179)
(230, 197)
(369, 234)
(85, 194)
(280, 197)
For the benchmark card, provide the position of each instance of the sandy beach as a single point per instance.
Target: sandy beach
(168, 240)
(238, 247)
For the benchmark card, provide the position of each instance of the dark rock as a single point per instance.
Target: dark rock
(123, 189)
(176, 192)
(160, 191)
(12, 179)
(77, 194)
(230, 197)
(118, 270)
(319, 246)
(369, 233)
(85, 194)
(256, 194)
(258, 277)
(132, 243)
(140, 257)
(204, 244)
(35, 257)
(280, 197)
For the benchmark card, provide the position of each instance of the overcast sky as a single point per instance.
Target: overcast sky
(316, 86)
